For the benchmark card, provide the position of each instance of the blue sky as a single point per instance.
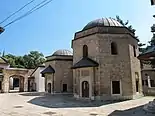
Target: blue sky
(53, 26)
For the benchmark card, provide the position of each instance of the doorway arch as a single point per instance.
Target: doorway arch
(20, 73)
(49, 88)
(85, 89)
(16, 83)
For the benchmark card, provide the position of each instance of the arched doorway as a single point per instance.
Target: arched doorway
(16, 83)
(49, 88)
(85, 89)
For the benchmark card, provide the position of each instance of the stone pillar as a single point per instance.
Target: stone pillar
(5, 84)
(149, 83)
(25, 83)
(11, 83)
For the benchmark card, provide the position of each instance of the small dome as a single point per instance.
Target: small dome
(110, 22)
(62, 53)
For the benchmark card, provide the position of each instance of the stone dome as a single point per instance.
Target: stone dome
(110, 22)
(62, 52)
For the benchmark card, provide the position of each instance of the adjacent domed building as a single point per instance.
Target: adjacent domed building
(62, 52)
(58, 72)
(103, 65)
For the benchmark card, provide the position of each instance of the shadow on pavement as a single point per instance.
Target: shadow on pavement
(33, 94)
(63, 101)
(137, 111)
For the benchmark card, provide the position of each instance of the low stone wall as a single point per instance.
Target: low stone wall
(151, 91)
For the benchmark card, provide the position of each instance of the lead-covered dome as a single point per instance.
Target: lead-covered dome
(62, 52)
(110, 22)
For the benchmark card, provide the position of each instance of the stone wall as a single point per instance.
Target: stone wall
(4, 66)
(63, 75)
(49, 79)
(20, 73)
(79, 78)
(120, 67)
(151, 91)
(135, 68)
(93, 53)
(149, 72)
(39, 80)
(63, 72)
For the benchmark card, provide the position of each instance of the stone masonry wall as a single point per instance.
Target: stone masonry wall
(111, 67)
(48, 78)
(135, 68)
(64, 75)
(114, 67)
(23, 73)
(93, 53)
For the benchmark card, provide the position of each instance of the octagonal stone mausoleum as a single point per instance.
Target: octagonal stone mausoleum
(104, 63)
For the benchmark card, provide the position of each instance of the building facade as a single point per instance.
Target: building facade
(59, 73)
(13, 79)
(148, 71)
(104, 64)
(38, 83)
(3, 65)
(148, 74)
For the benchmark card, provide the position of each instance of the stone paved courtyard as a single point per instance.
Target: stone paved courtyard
(39, 104)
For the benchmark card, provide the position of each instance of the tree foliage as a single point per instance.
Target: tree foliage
(142, 49)
(33, 59)
(30, 60)
(130, 27)
(126, 24)
(152, 42)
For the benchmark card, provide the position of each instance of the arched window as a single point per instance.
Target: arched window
(85, 51)
(114, 48)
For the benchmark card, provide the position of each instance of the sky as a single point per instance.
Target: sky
(53, 26)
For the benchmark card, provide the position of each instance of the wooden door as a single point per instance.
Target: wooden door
(49, 88)
(85, 89)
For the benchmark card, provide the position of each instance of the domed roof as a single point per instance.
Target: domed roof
(103, 22)
(62, 52)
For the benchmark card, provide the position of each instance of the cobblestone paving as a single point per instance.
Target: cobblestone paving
(39, 104)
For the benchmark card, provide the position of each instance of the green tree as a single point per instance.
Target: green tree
(130, 27)
(11, 59)
(33, 59)
(152, 44)
(126, 24)
(141, 48)
(19, 61)
(30, 61)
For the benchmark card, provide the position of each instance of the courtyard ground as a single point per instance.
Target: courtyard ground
(40, 104)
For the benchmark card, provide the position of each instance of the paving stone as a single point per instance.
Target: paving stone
(20, 104)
